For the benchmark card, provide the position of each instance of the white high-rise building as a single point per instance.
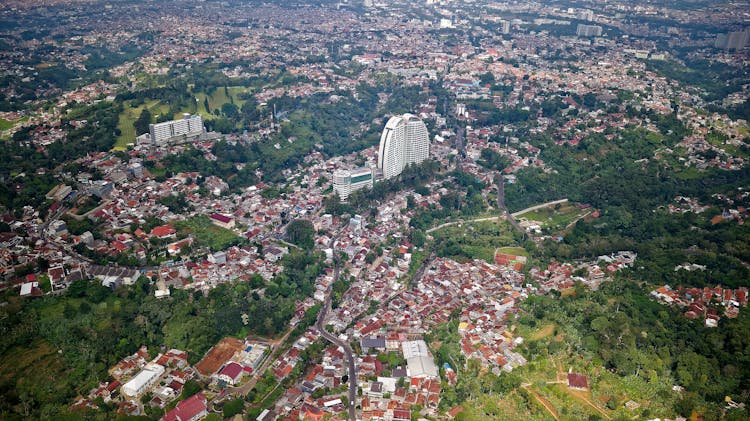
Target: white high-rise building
(404, 141)
(168, 131)
(504, 27)
(588, 30)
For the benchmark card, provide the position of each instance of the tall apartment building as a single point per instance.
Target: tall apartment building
(588, 30)
(175, 130)
(404, 141)
(734, 40)
(504, 27)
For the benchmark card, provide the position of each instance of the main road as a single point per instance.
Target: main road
(501, 203)
(348, 353)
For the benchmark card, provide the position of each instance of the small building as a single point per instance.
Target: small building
(231, 373)
(163, 231)
(222, 221)
(191, 409)
(578, 381)
(368, 343)
(143, 381)
(31, 289)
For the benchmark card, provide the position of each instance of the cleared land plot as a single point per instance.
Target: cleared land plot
(516, 251)
(555, 217)
(206, 233)
(543, 332)
(218, 355)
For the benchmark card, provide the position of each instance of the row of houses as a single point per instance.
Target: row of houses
(704, 303)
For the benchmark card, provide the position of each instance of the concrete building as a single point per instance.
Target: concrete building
(101, 188)
(404, 141)
(60, 192)
(734, 40)
(588, 30)
(176, 130)
(586, 14)
(419, 361)
(143, 381)
(504, 27)
(345, 182)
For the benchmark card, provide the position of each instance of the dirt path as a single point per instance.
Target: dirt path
(541, 400)
(448, 224)
(543, 205)
(581, 396)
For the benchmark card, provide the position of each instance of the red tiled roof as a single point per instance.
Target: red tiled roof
(221, 218)
(577, 380)
(187, 409)
(163, 231)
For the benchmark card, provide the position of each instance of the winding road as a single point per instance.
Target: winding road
(320, 325)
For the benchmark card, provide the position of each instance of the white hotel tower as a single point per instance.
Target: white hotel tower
(404, 141)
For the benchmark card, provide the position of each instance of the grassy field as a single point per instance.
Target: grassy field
(542, 332)
(128, 117)
(218, 98)
(6, 124)
(554, 217)
(516, 251)
(207, 234)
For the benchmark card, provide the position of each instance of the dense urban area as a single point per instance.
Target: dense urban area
(374, 210)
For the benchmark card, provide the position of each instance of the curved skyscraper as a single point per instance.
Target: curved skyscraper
(404, 141)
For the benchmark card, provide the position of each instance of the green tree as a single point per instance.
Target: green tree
(141, 124)
(302, 233)
(233, 408)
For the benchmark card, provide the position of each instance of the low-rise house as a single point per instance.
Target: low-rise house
(191, 409)
(231, 373)
(222, 221)
(578, 381)
(143, 381)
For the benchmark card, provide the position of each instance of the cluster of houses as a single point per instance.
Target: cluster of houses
(164, 377)
(704, 303)
(135, 375)
(236, 263)
(563, 276)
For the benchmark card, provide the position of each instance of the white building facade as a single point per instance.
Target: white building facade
(345, 182)
(143, 381)
(404, 141)
(169, 131)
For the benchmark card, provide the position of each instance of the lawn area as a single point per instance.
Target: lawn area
(128, 117)
(207, 234)
(555, 217)
(218, 98)
(516, 251)
(6, 124)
